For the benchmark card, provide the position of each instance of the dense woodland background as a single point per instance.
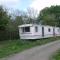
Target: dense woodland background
(11, 19)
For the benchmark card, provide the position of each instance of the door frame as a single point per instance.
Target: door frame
(42, 31)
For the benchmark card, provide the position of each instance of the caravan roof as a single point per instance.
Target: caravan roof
(25, 25)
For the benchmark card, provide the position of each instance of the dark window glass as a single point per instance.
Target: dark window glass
(27, 29)
(36, 29)
(49, 30)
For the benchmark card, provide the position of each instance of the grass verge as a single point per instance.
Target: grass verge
(56, 56)
(14, 46)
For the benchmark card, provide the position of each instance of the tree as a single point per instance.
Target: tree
(50, 16)
(27, 17)
(32, 15)
(4, 18)
(18, 21)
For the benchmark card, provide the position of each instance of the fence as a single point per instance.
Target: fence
(9, 35)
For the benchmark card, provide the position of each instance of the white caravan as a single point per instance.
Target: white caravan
(35, 31)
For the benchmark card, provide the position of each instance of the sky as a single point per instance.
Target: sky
(24, 4)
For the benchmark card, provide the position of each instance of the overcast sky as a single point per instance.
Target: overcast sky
(24, 4)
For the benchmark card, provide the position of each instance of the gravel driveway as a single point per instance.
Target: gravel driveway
(37, 53)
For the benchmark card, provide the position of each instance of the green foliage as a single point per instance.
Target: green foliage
(50, 16)
(4, 18)
(18, 21)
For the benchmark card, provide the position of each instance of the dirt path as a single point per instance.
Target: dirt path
(37, 53)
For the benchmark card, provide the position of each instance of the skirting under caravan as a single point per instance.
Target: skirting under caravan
(35, 31)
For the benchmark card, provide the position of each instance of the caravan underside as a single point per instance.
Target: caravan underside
(36, 36)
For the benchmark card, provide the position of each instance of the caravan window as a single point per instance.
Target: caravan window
(49, 30)
(36, 29)
(25, 29)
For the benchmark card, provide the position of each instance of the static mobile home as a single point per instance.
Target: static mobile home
(35, 31)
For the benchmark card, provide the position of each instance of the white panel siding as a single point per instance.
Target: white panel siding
(47, 32)
(39, 32)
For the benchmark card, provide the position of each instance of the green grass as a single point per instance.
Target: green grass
(56, 56)
(14, 46)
